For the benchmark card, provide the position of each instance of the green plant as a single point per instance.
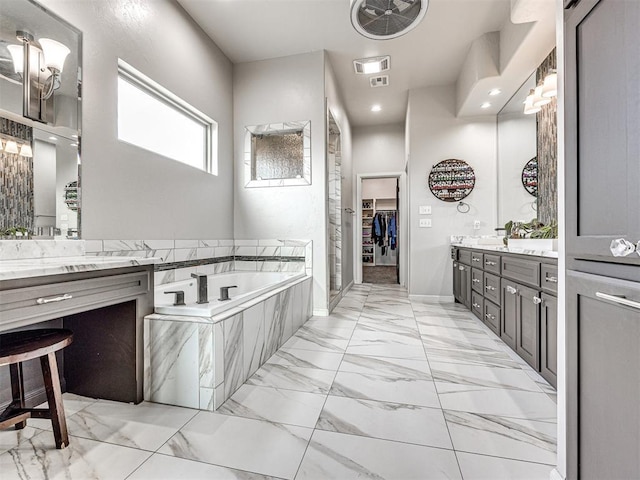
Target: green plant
(546, 231)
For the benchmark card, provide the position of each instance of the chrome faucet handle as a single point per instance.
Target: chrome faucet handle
(224, 292)
(179, 300)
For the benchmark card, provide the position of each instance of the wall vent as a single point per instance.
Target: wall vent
(379, 81)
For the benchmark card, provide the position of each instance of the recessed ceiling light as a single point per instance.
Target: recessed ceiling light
(53, 138)
(371, 65)
(376, 108)
(485, 105)
(495, 91)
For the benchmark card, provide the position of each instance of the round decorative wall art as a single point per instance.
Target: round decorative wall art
(451, 180)
(530, 176)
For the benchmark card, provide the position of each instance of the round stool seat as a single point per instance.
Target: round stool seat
(17, 347)
(25, 345)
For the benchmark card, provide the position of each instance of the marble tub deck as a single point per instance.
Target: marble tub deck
(384, 388)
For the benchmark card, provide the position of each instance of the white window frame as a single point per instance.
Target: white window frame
(139, 80)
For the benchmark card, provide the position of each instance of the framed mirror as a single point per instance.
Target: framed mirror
(40, 85)
(278, 154)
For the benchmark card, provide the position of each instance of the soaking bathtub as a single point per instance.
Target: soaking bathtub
(249, 285)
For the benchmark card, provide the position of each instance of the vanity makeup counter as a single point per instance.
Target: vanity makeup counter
(103, 300)
(514, 292)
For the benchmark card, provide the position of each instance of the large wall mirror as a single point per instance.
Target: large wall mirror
(40, 85)
(516, 147)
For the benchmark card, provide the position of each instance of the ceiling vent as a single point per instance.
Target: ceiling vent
(368, 66)
(379, 81)
(385, 19)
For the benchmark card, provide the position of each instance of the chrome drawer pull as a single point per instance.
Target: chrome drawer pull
(620, 300)
(512, 290)
(490, 317)
(42, 301)
(490, 288)
(537, 300)
(476, 259)
(476, 280)
(552, 279)
(490, 263)
(461, 268)
(475, 305)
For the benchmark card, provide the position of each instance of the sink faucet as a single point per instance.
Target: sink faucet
(224, 292)
(202, 288)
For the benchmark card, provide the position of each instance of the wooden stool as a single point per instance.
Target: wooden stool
(15, 348)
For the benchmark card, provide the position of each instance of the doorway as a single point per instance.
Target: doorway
(380, 236)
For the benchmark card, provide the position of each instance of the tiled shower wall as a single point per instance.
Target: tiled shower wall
(16, 179)
(181, 258)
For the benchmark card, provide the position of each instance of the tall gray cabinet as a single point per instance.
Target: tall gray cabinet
(602, 154)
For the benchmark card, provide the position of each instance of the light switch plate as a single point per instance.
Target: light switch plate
(425, 223)
(425, 209)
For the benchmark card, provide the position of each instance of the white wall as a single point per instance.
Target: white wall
(436, 134)
(335, 104)
(378, 149)
(129, 193)
(274, 91)
(516, 146)
(379, 188)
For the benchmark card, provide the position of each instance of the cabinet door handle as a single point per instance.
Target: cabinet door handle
(621, 300)
(475, 305)
(537, 300)
(490, 288)
(512, 290)
(42, 301)
(476, 259)
(461, 268)
(476, 280)
(490, 263)
(552, 279)
(490, 317)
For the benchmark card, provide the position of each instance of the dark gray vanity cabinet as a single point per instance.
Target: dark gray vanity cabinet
(515, 296)
(602, 178)
(462, 283)
(549, 338)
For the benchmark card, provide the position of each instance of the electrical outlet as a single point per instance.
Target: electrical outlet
(425, 209)
(425, 223)
(476, 224)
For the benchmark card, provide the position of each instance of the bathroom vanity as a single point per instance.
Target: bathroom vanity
(103, 300)
(514, 293)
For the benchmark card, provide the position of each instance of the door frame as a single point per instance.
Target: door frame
(403, 225)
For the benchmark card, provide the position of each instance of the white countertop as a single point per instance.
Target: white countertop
(39, 267)
(502, 248)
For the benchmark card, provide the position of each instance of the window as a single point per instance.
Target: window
(151, 117)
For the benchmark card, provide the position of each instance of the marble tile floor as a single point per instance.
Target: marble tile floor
(384, 388)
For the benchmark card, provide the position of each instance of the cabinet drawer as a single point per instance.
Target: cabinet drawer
(491, 287)
(492, 263)
(549, 278)
(25, 305)
(524, 271)
(477, 280)
(477, 305)
(492, 317)
(464, 256)
(477, 259)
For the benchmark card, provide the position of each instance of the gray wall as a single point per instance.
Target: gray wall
(129, 192)
(435, 134)
(274, 91)
(379, 148)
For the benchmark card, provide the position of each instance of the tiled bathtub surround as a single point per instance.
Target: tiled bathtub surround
(180, 258)
(200, 362)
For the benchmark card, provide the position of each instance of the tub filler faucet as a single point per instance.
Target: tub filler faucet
(224, 292)
(202, 288)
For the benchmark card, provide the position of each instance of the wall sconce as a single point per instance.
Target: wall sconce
(40, 65)
(12, 147)
(542, 94)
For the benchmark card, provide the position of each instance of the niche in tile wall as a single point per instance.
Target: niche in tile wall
(278, 154)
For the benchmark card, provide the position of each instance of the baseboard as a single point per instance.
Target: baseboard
(320, 312)
(555, 475)
(433, 298)
(347, 288)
